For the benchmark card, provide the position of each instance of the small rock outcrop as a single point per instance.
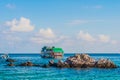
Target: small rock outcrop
(105, 63)
(11, 64)
(27, 64)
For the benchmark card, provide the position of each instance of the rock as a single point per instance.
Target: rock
(85, 61)
(11, 64)
(51, 62)
(76, 61)
(105, 63)
(80, 61)
(84, 57)
(10, 60)
(66, 65)
(27, 64)
(61, 64)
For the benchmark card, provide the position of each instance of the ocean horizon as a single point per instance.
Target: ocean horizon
(39, 73)
(64, 53)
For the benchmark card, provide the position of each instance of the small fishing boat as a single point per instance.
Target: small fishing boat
(4, 56)
(52, 52)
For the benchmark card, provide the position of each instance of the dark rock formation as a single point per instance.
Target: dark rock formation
(61, 64)
(27, 64)
(52, 63)
(11, 64)
(76, 61)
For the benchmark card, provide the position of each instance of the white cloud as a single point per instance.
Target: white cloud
(22, 25)
(100, 39)
(104, 38)
(85, 36)
(46, 33)
(46, 36)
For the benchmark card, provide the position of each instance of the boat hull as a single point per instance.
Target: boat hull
(52, 55)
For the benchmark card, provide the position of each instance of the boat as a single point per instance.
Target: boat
(52, 52)
(4, 56)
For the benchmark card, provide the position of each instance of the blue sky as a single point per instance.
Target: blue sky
(74, 25)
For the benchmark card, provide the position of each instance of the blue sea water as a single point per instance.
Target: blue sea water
(39, 73)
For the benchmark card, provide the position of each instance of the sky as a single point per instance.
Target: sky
(81, 26)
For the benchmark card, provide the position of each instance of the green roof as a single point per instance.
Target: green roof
(58, 50)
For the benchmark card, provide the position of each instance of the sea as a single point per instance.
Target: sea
(52, 73)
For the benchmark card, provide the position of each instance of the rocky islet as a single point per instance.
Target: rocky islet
(76, 61)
